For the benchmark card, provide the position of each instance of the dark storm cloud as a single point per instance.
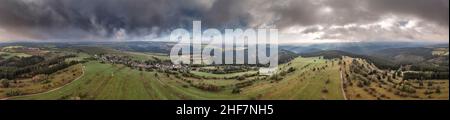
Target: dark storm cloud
(312, 12)
(65, 19)
(295, 12)
(107, 17)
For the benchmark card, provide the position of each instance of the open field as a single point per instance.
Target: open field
(302, 83)
(6, 55)
(149, 56)
(105, 81)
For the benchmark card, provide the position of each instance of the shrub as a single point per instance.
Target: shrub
(177, 76)
(46, 81)
(5, 83)
(427, 92)
(291, 69)
(236, 91)
(208, 87)
(366, 82)
(240, 78)
(13, 93)
(407, 88)
(327, 81)
(283, 73)
(276, 77)
(244, 84)
(324, 90)
(438, 90)
(359, 84)
(420, 83)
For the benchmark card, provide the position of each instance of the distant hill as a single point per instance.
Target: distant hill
(418, 58)
(331, 54)
(154, 47)
(285, 56)
(362, 48)
(439, 46)
(405, 55)
(301, 49)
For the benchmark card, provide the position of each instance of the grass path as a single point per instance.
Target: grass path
(342, 85)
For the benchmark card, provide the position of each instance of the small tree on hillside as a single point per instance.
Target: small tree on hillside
(5, 83)
(291, 69)
(324, 90)
(438, 90)
(327, 81)
(399, 73)
(421, 83)
(241, 77)
(430, 84)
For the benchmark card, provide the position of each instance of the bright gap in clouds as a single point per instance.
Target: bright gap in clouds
(326, 10)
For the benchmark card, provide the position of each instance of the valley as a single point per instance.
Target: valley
(103, 72)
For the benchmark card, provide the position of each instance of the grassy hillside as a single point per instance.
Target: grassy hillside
(41, 83)
(106, 81)
(112, 74)
(365, 81)
(313, 79)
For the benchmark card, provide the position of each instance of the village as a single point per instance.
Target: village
(141, 65)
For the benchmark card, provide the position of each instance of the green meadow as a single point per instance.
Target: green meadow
(110, 82)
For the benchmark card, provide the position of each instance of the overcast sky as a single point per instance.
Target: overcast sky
(297, 20)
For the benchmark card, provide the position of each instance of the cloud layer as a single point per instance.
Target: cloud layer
(299, 19)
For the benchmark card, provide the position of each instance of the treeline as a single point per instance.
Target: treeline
(228, 69)
(28, 69)
(336, 54)
(425, 75)
(21, 61)
(201, 86)
(237, 77)
(382, 63)
(330, 54)
(442, 67)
